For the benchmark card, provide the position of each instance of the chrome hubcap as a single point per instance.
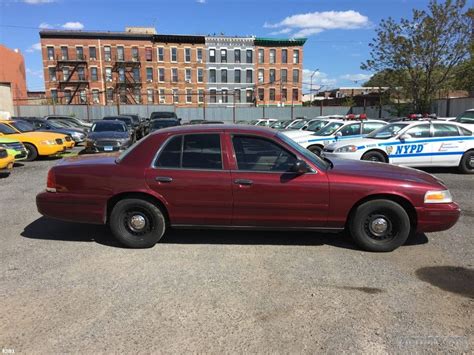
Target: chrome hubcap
(137, 223)
(379, 226)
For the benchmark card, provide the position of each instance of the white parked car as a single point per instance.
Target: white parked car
(336, 130)
(264, 122)
(415, 144)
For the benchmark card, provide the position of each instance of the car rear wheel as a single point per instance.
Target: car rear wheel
(315, 149)
(32, 152)
(380, 225)
(466, 165)
(137, 223)
(374, 156)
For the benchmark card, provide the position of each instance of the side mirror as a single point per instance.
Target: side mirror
(338, 135)
(304, 128)
(404, 137)
(300, 167)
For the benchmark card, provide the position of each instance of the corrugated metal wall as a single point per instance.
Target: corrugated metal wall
(452, 107)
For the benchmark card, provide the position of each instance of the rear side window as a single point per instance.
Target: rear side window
(445, 130)
(193, 151)
(351, 130)
(371, 126)
(465, 131)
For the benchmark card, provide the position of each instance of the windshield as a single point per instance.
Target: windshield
(316, 125)
(299, 124)
(108, 127)
(331, 128)
(304, 152)
(386, 132)
(126, 120)
(56, 124)
(466, 117)
(157, 124)
(23, 126)
(5, 129)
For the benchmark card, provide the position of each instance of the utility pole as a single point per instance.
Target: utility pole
(311, 87)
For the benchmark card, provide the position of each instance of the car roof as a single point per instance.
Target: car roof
(244, 129)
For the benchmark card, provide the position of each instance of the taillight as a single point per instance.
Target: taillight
(51, 181)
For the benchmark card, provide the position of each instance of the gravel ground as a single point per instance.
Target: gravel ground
(70, 288)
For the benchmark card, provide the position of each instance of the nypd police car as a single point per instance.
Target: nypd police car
(336, 130)
(415, 144)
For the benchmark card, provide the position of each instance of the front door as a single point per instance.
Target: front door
(415, 150)
(190, 175)
(267, 194)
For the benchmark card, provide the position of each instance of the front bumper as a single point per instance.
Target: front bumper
(44, 149)
(6, 164)
(437, 217)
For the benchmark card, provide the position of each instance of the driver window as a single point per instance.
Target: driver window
(258, 154)
(421, 131)
(351, 130)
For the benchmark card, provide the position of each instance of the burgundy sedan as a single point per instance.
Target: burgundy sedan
(243, 177)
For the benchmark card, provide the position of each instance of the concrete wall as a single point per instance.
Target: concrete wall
(6, 98)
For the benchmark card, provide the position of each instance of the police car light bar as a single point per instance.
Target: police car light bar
(351, 116)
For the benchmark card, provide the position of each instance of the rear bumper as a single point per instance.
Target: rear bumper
(72, 207)
(437, 217)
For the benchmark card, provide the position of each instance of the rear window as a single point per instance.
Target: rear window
(156, 115)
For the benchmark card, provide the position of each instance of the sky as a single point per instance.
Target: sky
(338, 31)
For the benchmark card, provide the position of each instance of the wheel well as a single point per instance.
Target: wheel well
(407, 206)
(139, 195)
(315, 145)
(378, 151)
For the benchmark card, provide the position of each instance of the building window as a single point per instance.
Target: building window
(261, 56)
(200, 95)
(161, 54)
(82, 97)
(187, 55)
(224, 76)
(162, 96)
(249, 96)
(199, 54)
(189, 96)
(54, 96)
(272, 94)
(107, 54)
(272, 56)
(136, 74)
(212, 96)
(223, 55)
(212, 55)
(225, 96)
(64, 53)
(108, 74)
(187, 75)
(284, 56)
(237, 77)
(66, 73)
(148, 54)
(236, 55)
(237, 94)
(174, 75)
(295, 94)
(212, 75)
(283, 95)
(50, 51)
(161, 74)
(123, 96)
(120, 54)
(200, 75)
(52, 74)
(296, 75)
(149, 75)
(94, 76)
(137, 95)
(67, 96)
(284, 75)
(296, 56)
(79, 53)
(174, 54)
(92, 53)
(249, 56)
(121, 75)
(261, 94)
(110, 94)
(149, 96)
(272, 75)
(175, 96)
(249, 76)
(95, 96)
(135, 56)
(261, 76)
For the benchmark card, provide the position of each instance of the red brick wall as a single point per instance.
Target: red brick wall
(12, 70)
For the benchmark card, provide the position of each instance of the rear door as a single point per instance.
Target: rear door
(448, 145)
(191, 175)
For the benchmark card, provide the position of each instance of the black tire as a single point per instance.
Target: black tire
(32, 152)
(121, 224)
(316, 149)
(363, 225)
(374, 156)
(466, 166)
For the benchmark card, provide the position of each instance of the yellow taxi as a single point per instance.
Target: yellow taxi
(36, 143)
(6, 161)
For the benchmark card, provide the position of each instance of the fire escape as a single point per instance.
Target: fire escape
(73, 76)
(128, 83)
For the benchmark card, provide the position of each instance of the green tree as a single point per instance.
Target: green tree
(421, 54)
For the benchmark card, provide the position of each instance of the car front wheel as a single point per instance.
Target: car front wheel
(137, 223)
(374, 156)
(316, 149)
(32, 152)
(466, 165)
(380, 225)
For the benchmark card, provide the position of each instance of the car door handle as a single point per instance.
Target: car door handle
(163, 179)
(243, 182)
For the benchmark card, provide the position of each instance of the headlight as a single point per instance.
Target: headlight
(48, 142)
(346, 149)
(3, 146)
(438, 197)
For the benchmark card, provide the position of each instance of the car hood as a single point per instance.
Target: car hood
(382, 171)
(107, 135)
(8, 140)
(37, 136)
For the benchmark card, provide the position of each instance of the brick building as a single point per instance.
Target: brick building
(12, 71)
(140, 66)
